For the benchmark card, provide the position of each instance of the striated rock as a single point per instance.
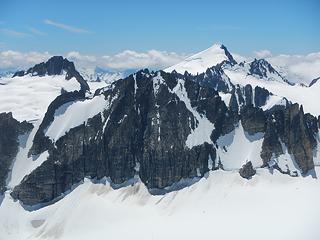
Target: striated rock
(247, 171)
(215, 78)
(245, 96)
(144, 132)
(260, 96)
(10, 130)
(271, 146)
(299, 138)
(295, 130)
(253, 119)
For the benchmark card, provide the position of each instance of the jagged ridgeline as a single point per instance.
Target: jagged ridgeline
(162, 127)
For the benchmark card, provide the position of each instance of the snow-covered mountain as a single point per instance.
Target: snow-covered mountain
(200, 62)
(258, 72)
(28, 94)
(97, 74)
(194, 144)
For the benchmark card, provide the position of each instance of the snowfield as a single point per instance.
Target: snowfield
(199, 62)
(73, 114)
(29, 96)
(221, 206)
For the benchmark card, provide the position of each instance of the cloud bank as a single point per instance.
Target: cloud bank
(127, 59)
(296, 68)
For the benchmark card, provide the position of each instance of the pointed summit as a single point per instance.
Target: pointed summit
(261, 68)
(56, 65)
(200, 62)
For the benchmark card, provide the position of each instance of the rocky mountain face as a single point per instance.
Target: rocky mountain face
(153, 127)
(158, 126)
(296, 130)
(263, 69)
(10, 130)
(56, 65)
(143, 132)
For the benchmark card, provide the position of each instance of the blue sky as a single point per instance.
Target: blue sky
(108, 27)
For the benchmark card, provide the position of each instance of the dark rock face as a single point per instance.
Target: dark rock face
(260, 96)
(296, 131)
(247, 171)
(215, 78)
(314, 81)
(246, 96)
(300, 139)
(55, 66)
(18, 74)
(271, 146)
(42, 143)
(228, 54)
(261, 68)
(10, 129)
(253, 119)
(143, 132)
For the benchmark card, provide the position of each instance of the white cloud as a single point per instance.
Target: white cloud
(296, 68)
(263, 53)
(36, 31)
(127, 59)
(239, 58)
(150, 59)
(13, 33)
(65, 26)
(78, 57)
(19, 60)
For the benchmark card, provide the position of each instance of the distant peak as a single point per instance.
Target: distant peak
(55, 65)
(216, 45)
(201, 61)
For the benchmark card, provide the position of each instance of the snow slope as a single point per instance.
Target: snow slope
(238, 147)
(199, 62)
(29, 96)
(204, 128)
(222, 206)
(73, 114)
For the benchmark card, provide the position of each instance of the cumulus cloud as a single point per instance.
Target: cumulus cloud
(20, 60)
(263, 53)
(150, 59)
(127, 59)
(296, 68)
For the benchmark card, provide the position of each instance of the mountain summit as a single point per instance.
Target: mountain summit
(203, 60)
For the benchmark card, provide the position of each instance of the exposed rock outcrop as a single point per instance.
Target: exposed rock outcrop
(143, 132)
(253, 119)
(247, 171)
(295, 130)
(56, 66)
(41, 142)
(10, 130)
